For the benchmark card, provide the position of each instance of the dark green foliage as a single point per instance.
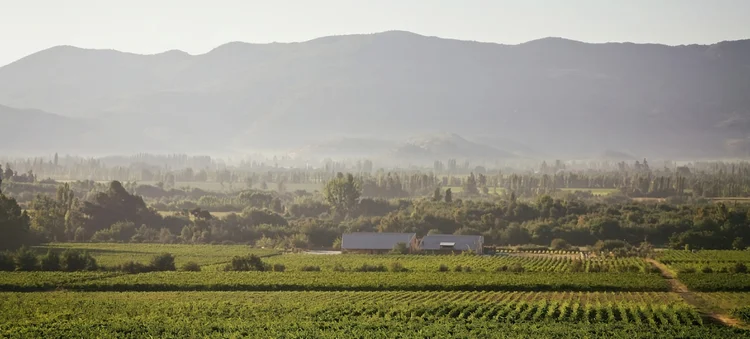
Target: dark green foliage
(279, 268)
(163, 262)
(50, 262)
(339, 268)
(739, 268)
(516, 268)
(400, 248)
(310, 268)
(370, 268)
(26, 260)
(443, 268)
(6, 262)
(190, 266)
(249, 263)
(398, 267)
(73, 260)
(742, 313)
(559, 244)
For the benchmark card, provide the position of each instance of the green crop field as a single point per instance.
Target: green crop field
(509, 295)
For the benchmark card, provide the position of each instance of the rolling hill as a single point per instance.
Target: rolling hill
(550, 96)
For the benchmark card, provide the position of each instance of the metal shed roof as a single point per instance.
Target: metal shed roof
(374, 241)
(460, 242)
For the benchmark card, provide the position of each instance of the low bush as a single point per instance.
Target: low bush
(248, 263)
(371, 268)
(190, 266)
(163, 262)
(73, 260)
(738, 268)
(339, 268)
(6, 262)
(50, 262)
(398, 267)
(310, 268)
(516, 268)
(443, 268)
(279, 268)
(707, 269)
(26, 260)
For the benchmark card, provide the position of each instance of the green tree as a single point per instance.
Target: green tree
(470, 186)
(437, 195)
(342, 193)
(14, 225)
(448, 196)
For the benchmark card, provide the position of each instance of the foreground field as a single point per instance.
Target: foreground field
(353, 314)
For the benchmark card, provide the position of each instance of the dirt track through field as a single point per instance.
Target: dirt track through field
(704, 308)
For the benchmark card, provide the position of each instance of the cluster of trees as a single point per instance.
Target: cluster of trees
(86, 211)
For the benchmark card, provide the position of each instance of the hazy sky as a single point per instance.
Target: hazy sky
(197, 26)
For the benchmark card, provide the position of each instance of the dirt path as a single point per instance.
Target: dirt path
(704, 308)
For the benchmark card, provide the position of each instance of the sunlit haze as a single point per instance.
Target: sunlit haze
(195, 26)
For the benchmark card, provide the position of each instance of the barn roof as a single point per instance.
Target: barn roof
(458, 242)
(374, 241)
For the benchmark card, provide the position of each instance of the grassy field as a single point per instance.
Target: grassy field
(551, 296)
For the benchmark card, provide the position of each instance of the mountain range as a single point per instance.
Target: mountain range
(552, 97)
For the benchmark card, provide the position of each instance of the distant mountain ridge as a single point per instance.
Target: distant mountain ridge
(554, 96)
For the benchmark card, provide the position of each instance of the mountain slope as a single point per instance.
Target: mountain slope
(555, 96)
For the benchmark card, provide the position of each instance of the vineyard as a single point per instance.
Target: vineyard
(425, 263)
(510, 294)
(353, 314)
(341, 281)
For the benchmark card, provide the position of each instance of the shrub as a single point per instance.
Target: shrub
(339, 268)
(73, 260)
(739, 268)
(50, 262)
(310, 268)
(443, 268)
(190, 266)
(6, 262)
(458, 268)
(132, 267)
(398, 267)
(371, 268)
(559, 244)
(279, 268)
(400, 248)
(467, 269)
(707, 269)
(517, 268)
(503, 268)
(249, 263)
(163, 262)
(26, 260)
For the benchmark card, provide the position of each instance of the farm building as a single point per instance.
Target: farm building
(452, 243)
(373, 243)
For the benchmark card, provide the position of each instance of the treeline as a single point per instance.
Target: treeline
(703, 180)
(303, 220)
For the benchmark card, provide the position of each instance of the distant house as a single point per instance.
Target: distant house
(373, 243)
(452, 243)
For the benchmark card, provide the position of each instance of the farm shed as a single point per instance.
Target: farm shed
(452, 243)
(373, 243)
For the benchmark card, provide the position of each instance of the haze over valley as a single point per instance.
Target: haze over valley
(394, 95)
